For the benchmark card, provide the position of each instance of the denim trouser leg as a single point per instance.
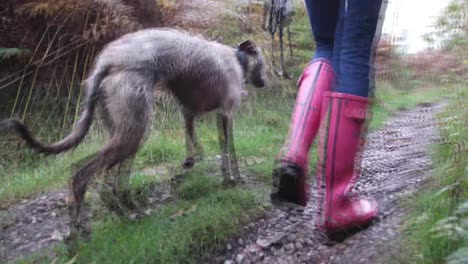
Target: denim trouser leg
(338, 38)
(361, 18)
(323, 15)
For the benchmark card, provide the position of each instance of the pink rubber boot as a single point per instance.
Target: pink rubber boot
(291, 166)
(340, 140)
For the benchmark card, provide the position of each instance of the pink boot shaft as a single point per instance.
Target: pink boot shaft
(339, 142)
(289, 180)
(317, 78)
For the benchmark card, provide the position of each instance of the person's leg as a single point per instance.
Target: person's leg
(291, 167)
(343, 128)
(323, 16)
(359, 29)
(339, 38)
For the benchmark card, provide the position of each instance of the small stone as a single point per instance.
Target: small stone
(239, 258)
(228, 262)
(38, 235)
(240, 241)
(263, 243)
(322, 247)
(247, 261)
(165, 196)
(308, 241)
(292, 237)
(133, 217)
(54, 214)
(298, 245)
(33, 219)
(277, 237)
(299, 209)
(56, 235)
(16, 241)
(290, 247)
(253, 248)
(228, 246)
(148, 211)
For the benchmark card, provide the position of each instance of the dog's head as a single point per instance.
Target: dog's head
(253, 62)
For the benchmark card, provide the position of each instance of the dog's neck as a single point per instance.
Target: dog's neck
(243, 61)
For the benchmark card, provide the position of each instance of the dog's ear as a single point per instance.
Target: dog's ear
(249, 47)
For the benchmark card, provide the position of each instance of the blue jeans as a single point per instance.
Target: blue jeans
(344, 33)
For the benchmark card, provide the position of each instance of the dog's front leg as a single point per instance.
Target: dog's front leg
(229, 164)
(193, 148)
(232, 151)
(223, 144)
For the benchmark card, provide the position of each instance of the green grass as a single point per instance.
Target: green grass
(389, 100)
(438, 226)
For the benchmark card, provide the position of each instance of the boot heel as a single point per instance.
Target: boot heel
(287, 187)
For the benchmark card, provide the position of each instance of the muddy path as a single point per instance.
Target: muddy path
(395, 164)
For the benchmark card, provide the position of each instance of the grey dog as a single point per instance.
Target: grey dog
(203, 75)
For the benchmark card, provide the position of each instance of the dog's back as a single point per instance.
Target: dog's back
(196, 70)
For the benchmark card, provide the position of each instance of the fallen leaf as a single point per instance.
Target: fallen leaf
(250, 161)
(192, 209)
(71, 261)
(179, 213)
(259, 160)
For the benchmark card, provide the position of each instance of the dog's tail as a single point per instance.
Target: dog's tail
(81, 127)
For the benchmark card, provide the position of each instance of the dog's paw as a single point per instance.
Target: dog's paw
(188, 163)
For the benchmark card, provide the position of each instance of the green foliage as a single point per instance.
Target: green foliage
(438, 228)
(451, 26)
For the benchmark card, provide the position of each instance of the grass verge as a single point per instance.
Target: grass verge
(437, 230)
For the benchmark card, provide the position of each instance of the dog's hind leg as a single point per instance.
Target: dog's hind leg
(193, 148)
(229, 165)
(115, 191)
(127, 111)
(115, 152)
(127, 97)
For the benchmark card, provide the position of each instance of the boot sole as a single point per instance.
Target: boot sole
(287, 189)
